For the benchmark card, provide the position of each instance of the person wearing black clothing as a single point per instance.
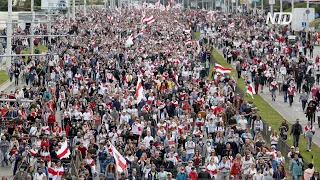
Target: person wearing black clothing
(285, 91)
(296, 131)
(279, 174)
(203, 175)
(16, 73)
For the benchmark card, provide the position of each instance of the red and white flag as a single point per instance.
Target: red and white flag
(110, 18)
(139, 91)
(222, 69)
(55, 173)
(143, 19)
(150, 19)
(188, 41)
(64, 151)
(250, 90)
(121, 162)
(172, 1)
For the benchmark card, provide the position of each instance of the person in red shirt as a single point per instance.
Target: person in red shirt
(193, 175)
(51, 120)
(83, 150)
(45, 142)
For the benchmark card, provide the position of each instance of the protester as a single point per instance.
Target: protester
(130, 95)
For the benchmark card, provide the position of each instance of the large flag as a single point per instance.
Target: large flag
(121, 162)
(250, 90)
(64, 151)
(139, 91)
(149, 20)
(55, 173)
(222, 69)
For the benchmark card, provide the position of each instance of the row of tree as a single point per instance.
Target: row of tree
(20, 5)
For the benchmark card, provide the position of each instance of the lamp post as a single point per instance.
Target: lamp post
(9, 33)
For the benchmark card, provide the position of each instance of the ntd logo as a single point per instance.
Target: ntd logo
(281, 18)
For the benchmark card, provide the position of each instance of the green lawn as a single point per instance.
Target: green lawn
(3, 76)
(268, 113)
(41, 48)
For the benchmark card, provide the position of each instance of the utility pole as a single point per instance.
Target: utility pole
(32, 28)
(69, 9)
(202, 6)
(9, 33)
(262, 6)
(85, 8)
(49, 26)
(281, 6)
(292, 5)
(74, 10)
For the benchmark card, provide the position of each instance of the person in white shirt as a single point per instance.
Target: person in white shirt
(243, 122)
(258, 175)
(39, 175)
(190, 146)
(124, 117)
(87, 116)
(147, 139)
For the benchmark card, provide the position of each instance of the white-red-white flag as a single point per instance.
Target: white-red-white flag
(56, 172)
(250, 90)
(150, 20)
(110, 18)
(143, 19)
(139, 91)
(222, 69)
(188, 41)
(64, 151)
(121, 162)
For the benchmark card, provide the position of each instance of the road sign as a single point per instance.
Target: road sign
(304, 24)
(316, 15)
(272, 2)
(307, 11)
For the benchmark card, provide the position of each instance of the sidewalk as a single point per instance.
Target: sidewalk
(289, 113)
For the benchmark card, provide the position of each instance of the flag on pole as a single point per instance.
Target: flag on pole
(110, 18)
(121, 162)
(172, 1)
(222, 69)
(64, 151)
(250, 90)
(139, 91)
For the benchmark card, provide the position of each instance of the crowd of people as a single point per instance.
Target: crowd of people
(135, 84)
